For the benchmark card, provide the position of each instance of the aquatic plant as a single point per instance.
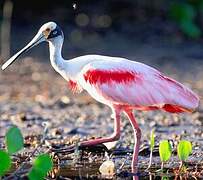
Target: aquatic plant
(185, 14)
(41, 166)
(184, 149)
(14, 142)
(151, 143)
(165, 151)
(5, 162)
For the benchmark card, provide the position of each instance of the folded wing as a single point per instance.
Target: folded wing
(137, 85)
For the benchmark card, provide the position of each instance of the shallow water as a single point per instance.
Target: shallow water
(42, 96)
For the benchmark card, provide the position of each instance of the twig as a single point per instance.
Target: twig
(123, 164)
(6, 29)
(162, 166)
(150, 160)
(19, 169)
(181, 165)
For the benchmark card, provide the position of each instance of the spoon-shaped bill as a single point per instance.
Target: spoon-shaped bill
(36, 40)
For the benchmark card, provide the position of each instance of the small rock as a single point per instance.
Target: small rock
(107, 169)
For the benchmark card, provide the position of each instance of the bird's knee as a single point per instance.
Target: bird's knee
(138, 132)
(115, 136)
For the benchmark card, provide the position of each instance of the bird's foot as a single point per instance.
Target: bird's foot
(80, 146)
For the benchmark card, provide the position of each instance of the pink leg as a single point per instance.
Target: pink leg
(114, 137)
(137, 135)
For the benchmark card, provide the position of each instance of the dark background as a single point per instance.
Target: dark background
(143, 30)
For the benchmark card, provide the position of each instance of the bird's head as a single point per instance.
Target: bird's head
(50, 30)
(47, 32)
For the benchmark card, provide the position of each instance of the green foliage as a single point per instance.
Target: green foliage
(184, 149)
(5, 162)
(190, 29)
(152, 140)
(41, 166)
(165, 150)
(14, 140)
(184, 13)
(164, 178)
(151, 143)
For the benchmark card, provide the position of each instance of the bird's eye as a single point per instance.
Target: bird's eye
(54, 32)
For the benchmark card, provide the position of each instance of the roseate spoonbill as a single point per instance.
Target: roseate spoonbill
(121, 84)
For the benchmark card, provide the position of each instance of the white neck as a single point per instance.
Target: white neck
(57, 61)
(55, 47)
(68, 69)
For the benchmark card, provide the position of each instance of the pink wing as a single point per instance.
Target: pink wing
(74, 87)
(137, 85)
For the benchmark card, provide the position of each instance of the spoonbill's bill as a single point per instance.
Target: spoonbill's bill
(121, 84)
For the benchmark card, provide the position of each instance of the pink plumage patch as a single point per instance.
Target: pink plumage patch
(175, 108)
(104, 76)
(74, 87)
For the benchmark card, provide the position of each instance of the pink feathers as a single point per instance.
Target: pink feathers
(175, 109)
(137, 86)
(182, 94)
(108, 76)
(74, 87)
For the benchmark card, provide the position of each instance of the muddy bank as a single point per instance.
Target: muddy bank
(33, 95)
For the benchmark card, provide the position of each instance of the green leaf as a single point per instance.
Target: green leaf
(41, 166)
(5, 162)
(14, 140)
(152, 140)
(184, 150)
(184, 14)
(190, 29)
(180, 11)
(200, 6)
(43, 162)
(165, 150)
(164, 178)
(35, 174)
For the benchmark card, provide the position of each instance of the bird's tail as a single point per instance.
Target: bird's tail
(184, 100)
